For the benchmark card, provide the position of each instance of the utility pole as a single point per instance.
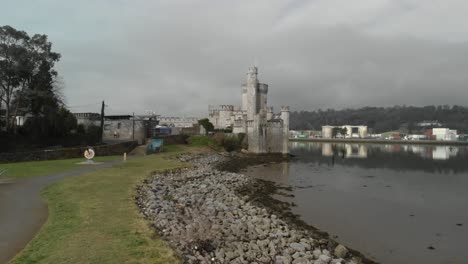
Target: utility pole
(102, 120)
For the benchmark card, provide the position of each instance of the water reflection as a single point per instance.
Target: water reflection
(397, 204)
(349, 150)
(421, 157)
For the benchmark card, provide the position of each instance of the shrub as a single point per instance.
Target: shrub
(200, 140)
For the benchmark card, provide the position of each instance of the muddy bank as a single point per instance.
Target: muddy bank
(235, 161)
(213, 216)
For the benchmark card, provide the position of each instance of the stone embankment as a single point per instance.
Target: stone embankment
(200, 213)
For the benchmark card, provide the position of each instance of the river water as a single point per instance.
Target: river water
(394, 203)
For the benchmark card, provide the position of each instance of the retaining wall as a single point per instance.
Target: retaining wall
(67, 153)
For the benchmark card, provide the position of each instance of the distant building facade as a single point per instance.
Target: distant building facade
(445, 134)
(184, 122)
(351, 131)
(116, 127)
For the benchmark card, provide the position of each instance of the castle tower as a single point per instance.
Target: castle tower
(252, 105)
(263, 92)
(269, 112)
(285, 118)
(244, 97)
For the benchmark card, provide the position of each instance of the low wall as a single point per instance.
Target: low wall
(67, 153)
(381, 141)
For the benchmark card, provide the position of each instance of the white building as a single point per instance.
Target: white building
(177, 121)
(351, 131)
(445, 134)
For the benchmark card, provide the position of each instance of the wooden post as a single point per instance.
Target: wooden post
(102, 120)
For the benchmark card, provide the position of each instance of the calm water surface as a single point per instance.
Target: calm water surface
(394, 203)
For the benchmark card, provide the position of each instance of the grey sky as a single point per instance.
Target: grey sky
(176, 57)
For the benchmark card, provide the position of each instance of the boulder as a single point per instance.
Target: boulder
(341, 251)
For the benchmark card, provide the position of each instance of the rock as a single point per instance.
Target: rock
(317, 253)
(200, 213)
(300, 261)
(306, 245)
(341, 251)
(282, 260)
(323, 259)
(297, 255)
(297, 247)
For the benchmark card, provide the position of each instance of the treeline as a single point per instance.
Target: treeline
(382, 119)
(30, 91)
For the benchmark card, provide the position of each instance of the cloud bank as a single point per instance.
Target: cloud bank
(176, 57)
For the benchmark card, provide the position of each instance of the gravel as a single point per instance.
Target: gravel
(198, 211)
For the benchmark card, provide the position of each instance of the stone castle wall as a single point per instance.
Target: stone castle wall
(266, 131)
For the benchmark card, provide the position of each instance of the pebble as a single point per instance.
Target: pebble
(341, 251)
(198, 211)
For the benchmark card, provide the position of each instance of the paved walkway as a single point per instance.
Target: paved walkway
(22, 212)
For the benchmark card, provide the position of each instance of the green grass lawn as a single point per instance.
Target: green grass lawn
(46, 167)
(93, 218)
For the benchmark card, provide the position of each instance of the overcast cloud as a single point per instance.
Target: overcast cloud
(176, 57)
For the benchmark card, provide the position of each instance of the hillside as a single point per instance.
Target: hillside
(381, 119)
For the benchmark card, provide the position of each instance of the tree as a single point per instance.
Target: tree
(27, 76)
(206, 124)
(13, 64)
(383, 119)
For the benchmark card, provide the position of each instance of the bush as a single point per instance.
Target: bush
(230, 142)
(200, 140)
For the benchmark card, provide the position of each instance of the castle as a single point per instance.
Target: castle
(266, 131)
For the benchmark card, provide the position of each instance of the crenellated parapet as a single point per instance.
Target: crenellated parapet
(275, 123)
(239, 123)
(212, 109)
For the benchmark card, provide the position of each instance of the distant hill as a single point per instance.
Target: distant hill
(381, 119)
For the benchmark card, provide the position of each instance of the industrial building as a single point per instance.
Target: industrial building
(351, 131)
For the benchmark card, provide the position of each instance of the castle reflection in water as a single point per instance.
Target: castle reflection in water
(350, 150)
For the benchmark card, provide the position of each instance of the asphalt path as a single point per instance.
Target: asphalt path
(23, 212)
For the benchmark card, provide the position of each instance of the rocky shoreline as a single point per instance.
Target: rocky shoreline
(208, 217)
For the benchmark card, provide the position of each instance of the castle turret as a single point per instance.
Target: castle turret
(269, 113)
(263, 92)
(285, 118)
(244, 97)
(252, 93)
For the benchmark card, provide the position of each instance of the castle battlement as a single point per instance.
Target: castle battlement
(239, 122)
(275, 123)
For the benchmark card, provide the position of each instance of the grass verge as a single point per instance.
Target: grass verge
(93, 218)
(46, 167)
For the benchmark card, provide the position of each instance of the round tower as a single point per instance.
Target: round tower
(252, 75)
(252, 105)
(285, 118)
(263, 92)
(270, 113)
(244, 98)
